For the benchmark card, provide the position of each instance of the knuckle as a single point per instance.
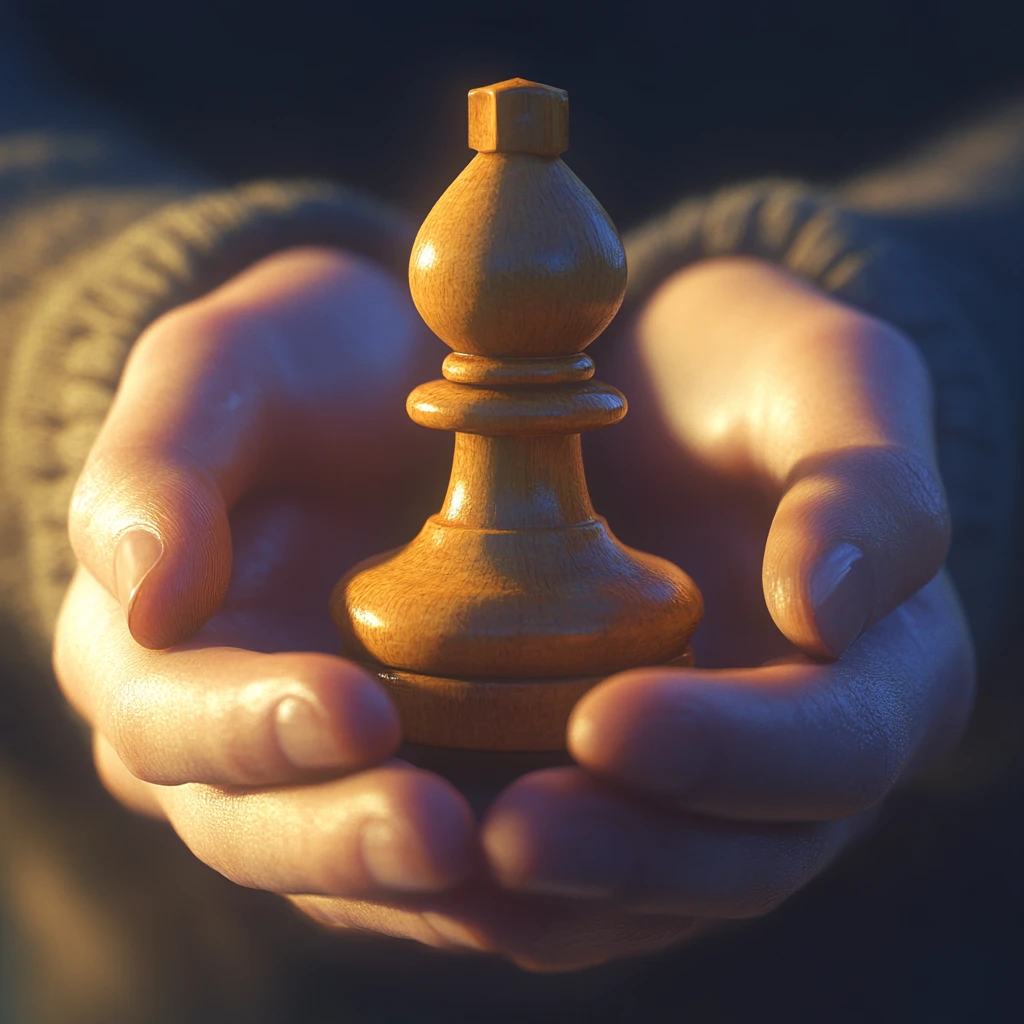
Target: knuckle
(874, 345)
(110, 771)
(883, 741)
(136, 761)
(123, 717)
(212, 330)
(209, 325)
(771, 880)
(245, 744)
(916, 480)
(914, 514)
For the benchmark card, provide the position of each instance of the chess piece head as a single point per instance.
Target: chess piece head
(517, 258)
(516, 597)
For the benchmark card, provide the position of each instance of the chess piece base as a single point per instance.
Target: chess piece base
(488, 714)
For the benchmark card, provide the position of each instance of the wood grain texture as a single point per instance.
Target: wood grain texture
(442, 405)
(518, 116)
(516, 577)
(517, 259)
(516, 597)
(482, 714)
(464, 368)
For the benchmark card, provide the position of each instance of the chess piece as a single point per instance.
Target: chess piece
(515, 598)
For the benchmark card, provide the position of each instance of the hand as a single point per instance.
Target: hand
(781, 451)
(257, 447)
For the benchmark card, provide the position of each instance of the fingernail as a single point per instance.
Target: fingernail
(390, 862)
(304, 735)
(842, 593)
(137, 552)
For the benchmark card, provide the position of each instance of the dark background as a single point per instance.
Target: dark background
(666, 97)
(922, 922)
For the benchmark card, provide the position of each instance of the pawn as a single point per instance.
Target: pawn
(515, 598)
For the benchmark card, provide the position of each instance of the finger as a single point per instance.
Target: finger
(857, 532)
(763, 375)
(559, 832)
(261, 380)
(796, 741)
(392, 828)
(219, 715)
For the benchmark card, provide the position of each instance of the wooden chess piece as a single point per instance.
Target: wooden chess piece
(515, 598)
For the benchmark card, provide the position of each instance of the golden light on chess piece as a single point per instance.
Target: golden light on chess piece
(515, 598)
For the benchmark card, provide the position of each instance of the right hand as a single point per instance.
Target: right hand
(254, 441)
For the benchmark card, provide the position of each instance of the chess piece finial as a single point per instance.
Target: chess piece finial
(515, 598)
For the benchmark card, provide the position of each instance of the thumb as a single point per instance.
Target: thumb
(149, 515)
(261, 381)
(856, 533)
(155, 533)
(766, 377)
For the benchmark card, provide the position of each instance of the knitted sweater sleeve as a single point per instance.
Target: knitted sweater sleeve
(935, 246)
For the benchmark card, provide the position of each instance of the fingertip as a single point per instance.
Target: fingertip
(154, 531)
(645, 728)
(348, 722)
(554, 833)
(821, 602)
(426, 840)
(858, 531)
(178, 594)
(511, 833)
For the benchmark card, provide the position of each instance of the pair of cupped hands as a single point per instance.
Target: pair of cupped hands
(780, 449)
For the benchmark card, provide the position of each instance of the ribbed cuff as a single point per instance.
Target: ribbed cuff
(70, 357)
(857, 259)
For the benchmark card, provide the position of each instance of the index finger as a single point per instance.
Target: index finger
(218, 715)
